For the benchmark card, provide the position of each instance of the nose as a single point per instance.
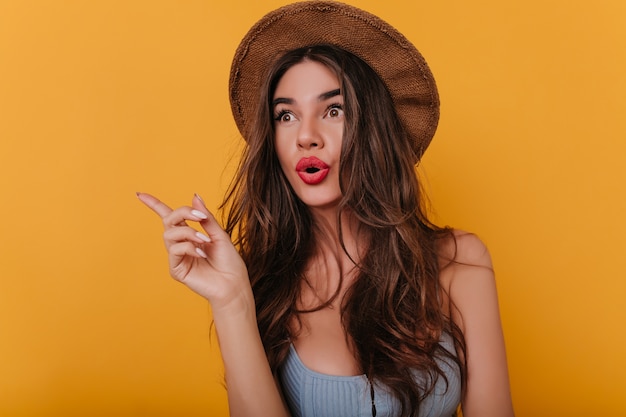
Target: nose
(309, 135)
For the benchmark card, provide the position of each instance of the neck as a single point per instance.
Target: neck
(330, 237)
(336, 254)
(325, 218)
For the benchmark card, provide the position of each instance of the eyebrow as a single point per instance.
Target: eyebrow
(322, 97)
(329, 94)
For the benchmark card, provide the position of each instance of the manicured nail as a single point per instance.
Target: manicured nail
(201, 253)
(203, 237)
(199, 214)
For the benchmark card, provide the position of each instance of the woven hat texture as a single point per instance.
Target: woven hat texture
(399, 64)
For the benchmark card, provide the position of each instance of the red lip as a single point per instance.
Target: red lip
(312, 170)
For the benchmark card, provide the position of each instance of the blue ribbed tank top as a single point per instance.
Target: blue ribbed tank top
(313, 394)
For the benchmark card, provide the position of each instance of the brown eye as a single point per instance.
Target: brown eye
(283, 117)
(335, 111)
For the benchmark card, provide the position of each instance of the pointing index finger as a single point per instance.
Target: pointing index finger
(154, 204)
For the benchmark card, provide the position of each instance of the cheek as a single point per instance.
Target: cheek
(334, 135)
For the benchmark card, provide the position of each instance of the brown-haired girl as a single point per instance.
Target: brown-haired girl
(332, 293)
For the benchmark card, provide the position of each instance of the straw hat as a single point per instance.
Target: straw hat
(398, 63)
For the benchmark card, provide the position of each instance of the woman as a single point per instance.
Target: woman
(339, 297)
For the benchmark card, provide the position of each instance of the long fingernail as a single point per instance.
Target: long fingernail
(201, 253)
(203, 237)
(199, 214)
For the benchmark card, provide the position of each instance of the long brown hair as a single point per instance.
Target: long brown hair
(393, 311)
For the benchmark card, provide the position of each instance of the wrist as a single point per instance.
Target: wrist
(240, 307)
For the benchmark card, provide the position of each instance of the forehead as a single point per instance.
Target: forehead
(306, 79)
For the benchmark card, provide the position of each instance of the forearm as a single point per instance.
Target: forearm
(251, 387)
(210, 265)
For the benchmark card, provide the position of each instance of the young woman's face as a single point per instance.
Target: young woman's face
(308, 119)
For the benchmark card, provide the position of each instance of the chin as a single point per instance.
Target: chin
(316, 202)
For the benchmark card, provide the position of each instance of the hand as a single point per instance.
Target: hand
(207, 263)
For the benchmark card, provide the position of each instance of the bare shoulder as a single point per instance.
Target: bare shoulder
(463, 248)
(467, 275)
(468, 279)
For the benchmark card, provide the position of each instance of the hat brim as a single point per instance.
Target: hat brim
(396, 60)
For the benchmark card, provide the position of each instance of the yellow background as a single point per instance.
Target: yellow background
(99, 99)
